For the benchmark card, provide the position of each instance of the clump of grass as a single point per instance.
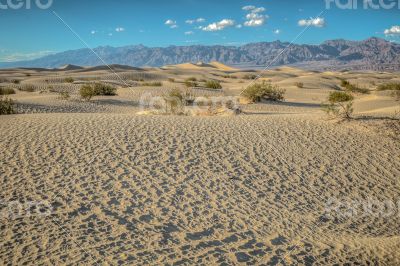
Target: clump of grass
(27, 88)
(213, 84)
(172, 80)
(6, 106)
(190, 83)
(174, 101)
(264, 90)
(352, 87)
(396, 95)
(389, 86)
(69, 80)
(64, 95)
(7, 91)
(15, 81)
(340, 105)
(249, 76)
(299, 85)
(152, 84)
(191, 79)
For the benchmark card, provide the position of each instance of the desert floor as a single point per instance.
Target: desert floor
(128, 189)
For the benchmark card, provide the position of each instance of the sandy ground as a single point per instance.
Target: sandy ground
(175, 190)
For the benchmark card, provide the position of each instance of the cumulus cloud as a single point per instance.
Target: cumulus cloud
(394, 30)
(316, 22)
(255, 18)
(171, 23)
(197, 20)
(6, 56)
(217, 26)
(120, 29)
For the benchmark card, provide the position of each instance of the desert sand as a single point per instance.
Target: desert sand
(251, 189)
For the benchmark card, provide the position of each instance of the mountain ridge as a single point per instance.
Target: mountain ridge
(370, 54)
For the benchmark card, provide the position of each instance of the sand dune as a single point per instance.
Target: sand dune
(251, 189)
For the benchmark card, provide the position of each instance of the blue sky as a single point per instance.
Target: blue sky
(31, 33)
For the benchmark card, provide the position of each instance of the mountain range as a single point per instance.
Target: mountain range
(371, 54)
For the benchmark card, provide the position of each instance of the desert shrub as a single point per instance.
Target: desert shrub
(352, 87)
(69, 80)
(152, 84)
(172, 80)
(104, 89)
(15, 81)
(250, 76)
(7, 91)
(87, 92)
(389, 86)
(264, 90)
(213, 84)
(340, 104)
(299, 85)
(28, 74)
(27, 88)
(6, 106)
(191, 79)
(64, 95)
(190, 84)
(396, 95)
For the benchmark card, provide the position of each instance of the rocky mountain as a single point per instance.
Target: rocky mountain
(370, 54)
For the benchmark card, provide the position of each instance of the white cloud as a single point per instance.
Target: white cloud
(120, 29)
(171, 23)
(216, 26)
(14, 57)
(248, 8)
(277, 31)
(316, 22)
(197, 20)
(394, 30)
(189, 33)
(93, 32)
(110, 34)
(254, 18)
(239, 26)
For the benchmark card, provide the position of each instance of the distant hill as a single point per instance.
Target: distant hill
(370, 54)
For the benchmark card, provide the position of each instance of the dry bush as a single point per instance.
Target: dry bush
(264, 90)
(249, 76)
(299, 85)
(340, 105)
(27, 88)
(190, 83)
(64, 95)
(6, 106)
(152, 84)
(7, 91)
(174, 102)
(87, 92)
(389, 86)
(104, 89)
(353, 87)
(69, 80)
(213, 84)
(172, 80)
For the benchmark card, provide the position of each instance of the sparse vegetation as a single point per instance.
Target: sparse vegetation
(104, 89)
(7, 91)
(299, 85)
(340, 105)
(264, 90)
(152, 84)
(190, 83)
(15, 81)
(172, 80)
(27, 88)
(249, 76)
(174, 101)
(389, 86)
(87, 92)
(396, 95)
(192, 79)
(6, 106)
(213, 84)
(69, 80)
(352, 87)
(64, 95)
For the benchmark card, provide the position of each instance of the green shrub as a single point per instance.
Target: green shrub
(190, 84)
(340, 104)
(87, 92)
(264, 90)
(7, 91)
(104, 89)
(69, 80)
(6, 106)
(64, 95)
(213, 84)
(389, 86)
(174, 101)
(299, 85)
